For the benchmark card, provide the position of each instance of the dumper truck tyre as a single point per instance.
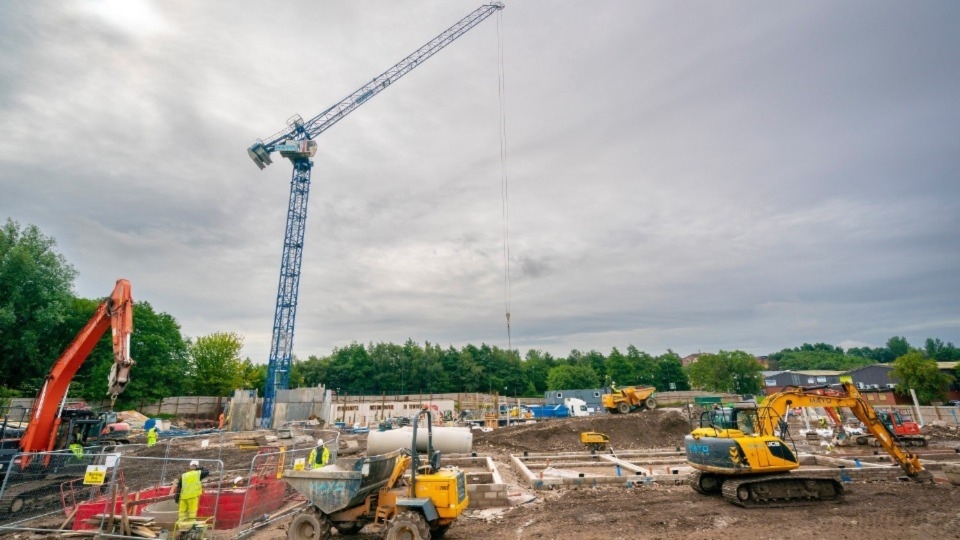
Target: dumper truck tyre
(623, 407)
(407, 526)
(309, 526)
(650, 403)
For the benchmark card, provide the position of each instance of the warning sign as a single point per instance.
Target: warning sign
(95, 475)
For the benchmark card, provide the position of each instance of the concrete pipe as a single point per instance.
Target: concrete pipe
(449, 440)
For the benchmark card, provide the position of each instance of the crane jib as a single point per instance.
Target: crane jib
(296, 142)
(260, 151)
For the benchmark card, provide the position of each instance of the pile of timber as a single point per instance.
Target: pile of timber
(251, 442)
(140, 526)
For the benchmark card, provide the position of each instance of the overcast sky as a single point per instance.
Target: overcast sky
(685, 175)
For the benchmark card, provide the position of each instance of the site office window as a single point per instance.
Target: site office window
(381, 407)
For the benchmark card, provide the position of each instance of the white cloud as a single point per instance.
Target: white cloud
(685, 179)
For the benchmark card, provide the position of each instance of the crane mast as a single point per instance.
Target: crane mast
(297, 144)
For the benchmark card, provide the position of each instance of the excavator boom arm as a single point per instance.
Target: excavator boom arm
(774, 408)
(115, 311)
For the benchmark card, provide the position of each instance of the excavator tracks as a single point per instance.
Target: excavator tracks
(705, 483)
(781, 490)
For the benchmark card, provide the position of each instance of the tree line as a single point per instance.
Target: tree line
(39, 317)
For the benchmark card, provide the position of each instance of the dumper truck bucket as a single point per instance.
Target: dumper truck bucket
(344, 484)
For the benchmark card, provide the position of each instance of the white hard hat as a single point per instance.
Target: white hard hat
(319, 442)
(194, 463)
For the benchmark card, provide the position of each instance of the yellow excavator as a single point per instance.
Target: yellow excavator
(740, 452)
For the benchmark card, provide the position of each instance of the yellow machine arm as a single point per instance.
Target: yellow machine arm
(774, 409)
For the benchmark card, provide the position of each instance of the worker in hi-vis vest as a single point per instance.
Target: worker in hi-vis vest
(319, 456)
(152, 436)
(189, 489)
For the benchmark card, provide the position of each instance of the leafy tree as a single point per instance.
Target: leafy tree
(915, 371)
(470, 373)
(255, 376)
(567, 377)
(536, 365)
(898, 346)
(35, 292)
(644, 366)
(669, 371)
(217, 366)
(620, 369)
(940, 351)
(736, 372)
(818, 356)
(310, 372)
(163, 367)
(879, 354)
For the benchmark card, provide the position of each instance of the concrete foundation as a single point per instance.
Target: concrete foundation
(638, 468)
(484, 483)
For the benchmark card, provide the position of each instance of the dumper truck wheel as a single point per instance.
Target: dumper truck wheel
(407, 526)
(650, 403)
(309, 526)
(437, 532)
(623, 407)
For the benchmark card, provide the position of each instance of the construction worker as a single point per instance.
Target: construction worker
(152, 435)
(76, 443)
(189, 489)
(319, 456)
(221, 420)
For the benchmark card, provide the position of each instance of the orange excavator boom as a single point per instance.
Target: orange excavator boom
(115, 311)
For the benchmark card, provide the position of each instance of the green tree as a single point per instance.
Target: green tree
(217, 366)
(255, 376)
(669, 371)
(898, 346)
(35, 292)
(620, 369)
(163, 367)
(736, 372)
(310, 372)
(644, 366)
(818, 356)
(567, 377)
(940, 351)
(536, 365)
(921, 374)
(879, 354)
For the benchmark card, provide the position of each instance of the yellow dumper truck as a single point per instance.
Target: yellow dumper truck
(629, 399)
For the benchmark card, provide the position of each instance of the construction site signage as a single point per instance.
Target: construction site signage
(95, 475)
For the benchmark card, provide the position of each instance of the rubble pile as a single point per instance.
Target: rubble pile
(648, 429)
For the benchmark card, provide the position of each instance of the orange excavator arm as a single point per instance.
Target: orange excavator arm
(116, 311)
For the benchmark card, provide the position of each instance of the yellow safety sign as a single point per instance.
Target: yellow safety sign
(95, 475)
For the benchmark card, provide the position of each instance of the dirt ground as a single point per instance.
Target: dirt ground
(901, 510)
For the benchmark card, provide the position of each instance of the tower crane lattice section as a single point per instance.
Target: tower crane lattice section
(297, 144)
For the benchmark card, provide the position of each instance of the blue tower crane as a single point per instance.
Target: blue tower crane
(297, 144)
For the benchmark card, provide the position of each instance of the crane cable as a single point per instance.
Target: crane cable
(504, 183)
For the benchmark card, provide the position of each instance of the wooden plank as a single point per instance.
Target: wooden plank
(124, 515)
(70, 517)
(144, 532)
(144, 520)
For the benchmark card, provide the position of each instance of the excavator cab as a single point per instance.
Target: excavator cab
(740, 416)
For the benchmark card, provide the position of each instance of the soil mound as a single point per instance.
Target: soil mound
(648, 429)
